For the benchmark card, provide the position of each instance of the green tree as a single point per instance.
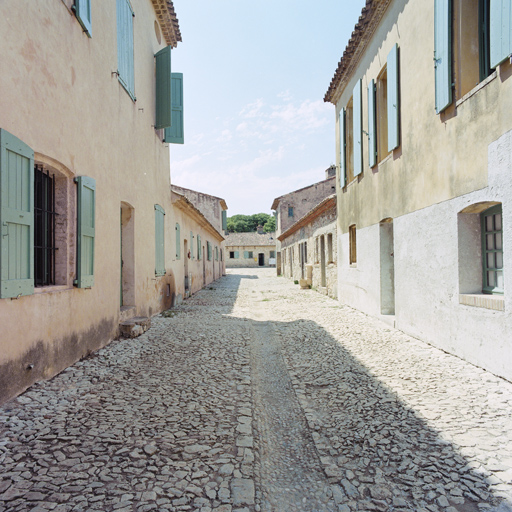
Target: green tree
(248, 223)
(270, 225)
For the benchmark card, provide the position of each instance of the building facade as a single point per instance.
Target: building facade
(308, 249)
(250, 249)
(424, 156)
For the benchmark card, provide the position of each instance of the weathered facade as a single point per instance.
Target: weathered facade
(308, 248)
(250, 249)
(424, 154)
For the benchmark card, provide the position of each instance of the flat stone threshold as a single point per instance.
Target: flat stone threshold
(479, 300)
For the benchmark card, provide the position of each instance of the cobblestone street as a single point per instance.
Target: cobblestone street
(254, 395)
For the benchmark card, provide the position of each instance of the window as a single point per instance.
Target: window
(175, 133)
(209, 250)
(178, 241)
(159, 240)
(352, 244)
(272, 254)
(248, 255)
(329, 249)
(199, 252)
(290, 211)
(231, 255)
(125, 67)
(82, 9)
(492, 250)
(216, 253)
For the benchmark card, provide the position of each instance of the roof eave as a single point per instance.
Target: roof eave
(164, 10)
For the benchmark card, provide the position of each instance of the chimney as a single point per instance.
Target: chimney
(330, 172)
(259, 229)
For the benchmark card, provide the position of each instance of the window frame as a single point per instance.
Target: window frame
(352, 245)
(497, 234)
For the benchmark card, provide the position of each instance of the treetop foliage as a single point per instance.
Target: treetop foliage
(248, 223)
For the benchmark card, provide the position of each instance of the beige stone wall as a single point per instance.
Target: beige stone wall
(61, 96)
(249, 262)
(440, 156)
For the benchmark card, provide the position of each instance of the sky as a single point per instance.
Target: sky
(254, 76)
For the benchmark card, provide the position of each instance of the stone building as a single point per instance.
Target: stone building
(256, 249)
(308, 248)
(424, 156)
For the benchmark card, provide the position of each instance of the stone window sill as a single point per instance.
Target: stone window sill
(480, 300)
(52, 289)
(475, 89)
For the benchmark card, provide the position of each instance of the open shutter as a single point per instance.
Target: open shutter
(191, 246)
(246, 254)
(224, 220)
(343, 145)
(159, 240)
(163, 88)
(393, 100)
(83, 14)
(175, 134)
(199, 255)
(209, 248)
(237, 254)
(125, 67)
(16, 217)
(372, 125)
(443, 53)
(85, 231)
(501, 31)
(178, 242)
(358, 129)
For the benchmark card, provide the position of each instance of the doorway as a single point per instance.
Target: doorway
(127, 288)
(261, 259)
(387, 268)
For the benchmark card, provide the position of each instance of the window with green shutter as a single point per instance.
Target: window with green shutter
(209, 250)
(443, 53)
(191, 246)
(178, 241)
(358, 128)
(125, 64)
(199, 252)
(159, 240)
(216, 253)
(393, 99)
(163, 89)
(82, 10)
(372, 125)
(16, 217)
(237, 255)
(86, 227)
(175, 133)
(224, 220)
(246, 254)
(343, 146)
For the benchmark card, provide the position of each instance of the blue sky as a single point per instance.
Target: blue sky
(255, 74)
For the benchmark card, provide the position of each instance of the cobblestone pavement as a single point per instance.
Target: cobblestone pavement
(257, 396)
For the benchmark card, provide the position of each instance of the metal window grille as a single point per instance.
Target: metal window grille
(44, 227)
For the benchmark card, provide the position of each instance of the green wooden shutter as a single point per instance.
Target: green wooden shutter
(178, 242)
(125, 68)
(82, 10)
(358, 128)
(393, 100)
(159, 240)
(163, 88)
(237, 255)
(372, 126)
(175, 134)
(209, 250)
(343, 146)
(443, 53)
(16, 217)
(191, 246)
(501, 31)
(85, 231)
(246, 254)
(224, 220)
(199, 255)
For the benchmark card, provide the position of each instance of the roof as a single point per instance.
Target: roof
(246, 239)
(371, 15)
(177, 189)
(277, 199)
(314, 213)
(181, 202)
(169, 24)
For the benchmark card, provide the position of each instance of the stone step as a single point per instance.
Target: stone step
(134, 326)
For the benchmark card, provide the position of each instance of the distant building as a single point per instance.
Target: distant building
(250, 249)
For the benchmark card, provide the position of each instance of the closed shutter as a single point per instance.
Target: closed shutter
(393, 100)
(159, 240)
(16, 217)
(358, 129)
(443, 53)
(178, 242)
(191, 246)
(372, 126)
(175, 134)
(343, 145)
(501, 31)
(209, 251)
(224, 220)
(86, 231)
(199, 255)
(125, 68)
(237, 254)
(163, 88)
(83, 14)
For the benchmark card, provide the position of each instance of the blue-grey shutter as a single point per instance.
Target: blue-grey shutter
(224, 220)
(85, 231)
(178, 242)
(246, 254)
(191, 246)
(372, 126)
(199, 255)
(163, 88)
(83, 14)
(159, 240)
(358, 128)
(175, 134)
(393, 100)
(209, 249)
(343, 145)
(237, 254)
(125, 68)
(443, 53)
(16, 217)
(501, 31)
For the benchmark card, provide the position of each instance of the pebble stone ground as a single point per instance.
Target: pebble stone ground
(256, 396)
